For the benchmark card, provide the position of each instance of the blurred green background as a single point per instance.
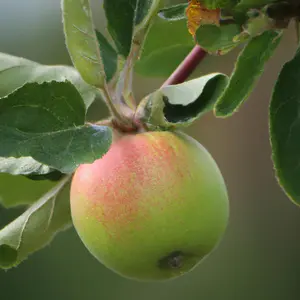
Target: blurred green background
(258, 257)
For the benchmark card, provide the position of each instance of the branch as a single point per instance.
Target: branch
(186, 68)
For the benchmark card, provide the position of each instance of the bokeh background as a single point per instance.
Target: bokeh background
(258, 257)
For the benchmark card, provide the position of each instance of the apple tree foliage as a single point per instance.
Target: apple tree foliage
(44, 131)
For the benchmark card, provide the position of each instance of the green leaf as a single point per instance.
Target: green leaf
(167, 44)
(16, 71)
(124, 16)
(46, 122)
(82, 42)
(51, 176)
(248, 68)
(245, 5)
(36, 227)
(26, 193)
(120, 18)
(173, 13)
(284, 121)
(22, 166)
(29, 167)
(180, 105)
(217, 39)
(145, 11)
(257, 23)
(109, 56)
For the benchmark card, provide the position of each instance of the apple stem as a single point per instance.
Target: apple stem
(187, 66)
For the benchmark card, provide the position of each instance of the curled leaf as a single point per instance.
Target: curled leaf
(36, 227)
(180, 105)
(22, 166)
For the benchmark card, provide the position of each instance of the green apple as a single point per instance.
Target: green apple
(152, 207)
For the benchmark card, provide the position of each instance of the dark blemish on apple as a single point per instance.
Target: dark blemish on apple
(173, 260)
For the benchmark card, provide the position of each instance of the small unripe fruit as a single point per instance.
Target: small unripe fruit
(152, 207)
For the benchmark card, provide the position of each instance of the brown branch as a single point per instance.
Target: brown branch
(186, 68)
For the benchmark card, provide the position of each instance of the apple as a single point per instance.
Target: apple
(152, 207)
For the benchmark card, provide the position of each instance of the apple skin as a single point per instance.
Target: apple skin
(152, 207)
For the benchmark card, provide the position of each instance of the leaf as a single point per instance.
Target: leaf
(180, 105)
(248, 68)
(217, 39)
(109, 56)
(173, 13)
(123, 16)
(36, 227)
(284, 119)
(257, 23)
(29, 167)
(167, 44)
(26, 193)
(244, 5)
(16, 71)
(120, 18)
(82, 42)
(145, 11)
(22, 165)
(51, 176)
(46, 122)
(241, 9)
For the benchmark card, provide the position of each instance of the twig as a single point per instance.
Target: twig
(186, 68)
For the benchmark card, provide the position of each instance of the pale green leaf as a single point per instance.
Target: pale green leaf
(176, 106)
(16, 71)
(36, 227)
(82, 42)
